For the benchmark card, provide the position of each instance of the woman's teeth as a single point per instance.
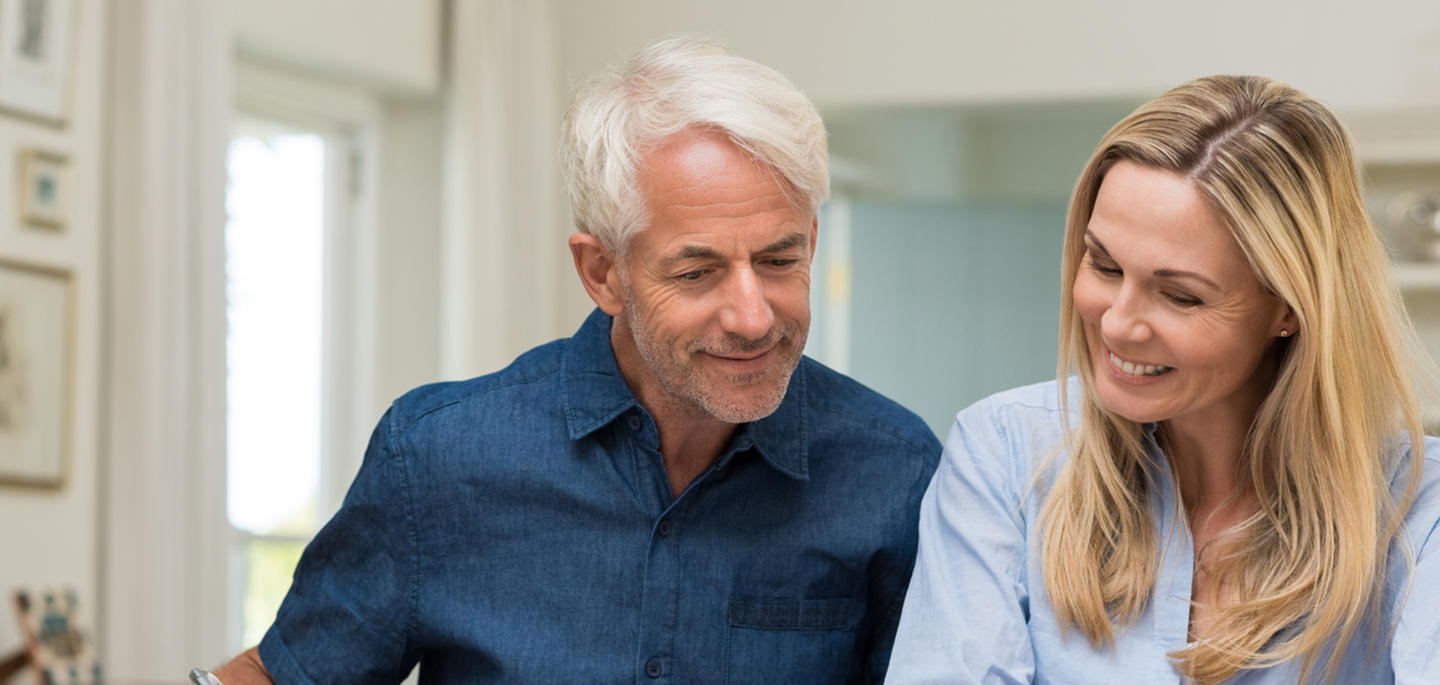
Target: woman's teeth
(1135, 370)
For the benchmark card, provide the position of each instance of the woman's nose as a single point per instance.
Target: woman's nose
(1127, 317)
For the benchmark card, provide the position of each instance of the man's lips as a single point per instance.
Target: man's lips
(744, 362)
(742, 357)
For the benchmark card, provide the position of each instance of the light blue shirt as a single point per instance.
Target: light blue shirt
(977, 611)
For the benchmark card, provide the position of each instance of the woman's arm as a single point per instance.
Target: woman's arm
(1415, 648)
(966, 610)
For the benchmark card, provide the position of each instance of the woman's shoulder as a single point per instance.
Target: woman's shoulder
(1044, 397)
(1027, 408)
(1014, 431)
(1424, 514)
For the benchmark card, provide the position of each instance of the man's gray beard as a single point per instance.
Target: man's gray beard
(690, 391)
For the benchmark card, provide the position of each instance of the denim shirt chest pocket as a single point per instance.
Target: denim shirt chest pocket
(793, 640)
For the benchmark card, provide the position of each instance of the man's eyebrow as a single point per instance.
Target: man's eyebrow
(789, 242)
(693, 252)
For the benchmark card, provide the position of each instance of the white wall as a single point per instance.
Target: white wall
(1373, 54)
(391, 43)
(48, 536)
(408, 339)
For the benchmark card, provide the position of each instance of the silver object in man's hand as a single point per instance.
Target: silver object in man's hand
(201, 676)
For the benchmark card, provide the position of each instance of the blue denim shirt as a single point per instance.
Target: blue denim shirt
(519, 528)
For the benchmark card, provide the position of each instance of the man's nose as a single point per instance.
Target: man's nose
(746, 312)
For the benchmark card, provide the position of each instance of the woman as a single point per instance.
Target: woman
(1227, 488)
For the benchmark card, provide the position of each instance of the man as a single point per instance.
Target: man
(673, 494)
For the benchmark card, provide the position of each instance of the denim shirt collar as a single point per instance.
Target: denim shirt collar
(596, 394)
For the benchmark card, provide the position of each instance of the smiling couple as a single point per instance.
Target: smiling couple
(1221, 486)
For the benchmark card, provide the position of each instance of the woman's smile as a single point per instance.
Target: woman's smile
(1138, 369)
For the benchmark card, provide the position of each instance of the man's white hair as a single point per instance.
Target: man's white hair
(673, 84)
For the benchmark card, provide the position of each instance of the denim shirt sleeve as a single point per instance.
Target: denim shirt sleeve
(347, 615)
(1413, 652)
(966, 610)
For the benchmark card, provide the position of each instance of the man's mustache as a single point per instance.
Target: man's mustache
(735, 344)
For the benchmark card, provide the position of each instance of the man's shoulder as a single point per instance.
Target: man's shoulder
(856, 407)
(540, 366)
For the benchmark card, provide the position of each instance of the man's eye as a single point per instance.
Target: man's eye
(692, 275)
(781, 262)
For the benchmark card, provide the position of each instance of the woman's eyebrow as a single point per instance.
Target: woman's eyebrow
(1159, 273)
(1099, 246)
(1176, 273)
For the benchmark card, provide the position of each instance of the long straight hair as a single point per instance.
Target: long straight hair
(1309, 567)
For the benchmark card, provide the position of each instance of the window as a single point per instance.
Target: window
(274, 263)
(299, 283)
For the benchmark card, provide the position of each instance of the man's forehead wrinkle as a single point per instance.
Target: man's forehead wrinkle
(720, 199)
(741, 202)
(708, 193)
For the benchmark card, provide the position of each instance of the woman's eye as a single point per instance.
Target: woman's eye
(1106, 270)
(1183, 300)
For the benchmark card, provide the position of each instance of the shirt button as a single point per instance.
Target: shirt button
(664, 528)
(652, 668)
(634, 423)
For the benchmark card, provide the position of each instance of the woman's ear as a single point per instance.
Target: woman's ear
(596, 267)
(1289, 324)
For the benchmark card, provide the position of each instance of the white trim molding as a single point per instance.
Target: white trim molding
(163, 568)
(1396, 135)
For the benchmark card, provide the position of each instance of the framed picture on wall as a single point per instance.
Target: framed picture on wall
(35, 57)
(36, 355)
(44, 190)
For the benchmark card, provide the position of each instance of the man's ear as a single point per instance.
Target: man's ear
(598, 272)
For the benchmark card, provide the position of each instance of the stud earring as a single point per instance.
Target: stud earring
(1284, 332)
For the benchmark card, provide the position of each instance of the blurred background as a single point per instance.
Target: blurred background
(271, 217)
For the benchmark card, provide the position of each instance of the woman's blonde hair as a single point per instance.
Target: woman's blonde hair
(1309, 567)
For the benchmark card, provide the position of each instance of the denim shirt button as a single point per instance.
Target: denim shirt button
(634, 423)
(652, 668)
(664, 528)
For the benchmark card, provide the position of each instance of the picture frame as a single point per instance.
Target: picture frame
(36, 372)
(44, 190)
(58, 648)
(36, 60)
